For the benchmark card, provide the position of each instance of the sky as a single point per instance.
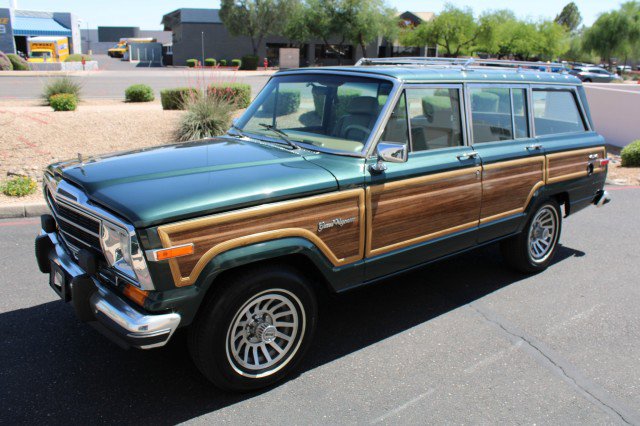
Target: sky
(147, 14)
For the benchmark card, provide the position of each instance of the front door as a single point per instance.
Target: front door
(428, 206)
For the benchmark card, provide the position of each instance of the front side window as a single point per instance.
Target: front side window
(556, 111)
(336, 112)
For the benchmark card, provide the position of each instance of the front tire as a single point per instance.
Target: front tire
(533, 249)
(256, 329)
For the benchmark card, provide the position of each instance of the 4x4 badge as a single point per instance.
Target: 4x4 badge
(335, 222)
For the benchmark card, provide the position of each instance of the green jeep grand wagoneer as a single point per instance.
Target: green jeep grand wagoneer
(332, 178)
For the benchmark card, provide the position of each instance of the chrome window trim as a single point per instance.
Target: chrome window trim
(576, 97)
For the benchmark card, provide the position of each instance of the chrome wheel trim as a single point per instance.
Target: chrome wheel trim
(543, 234)
(265, 333)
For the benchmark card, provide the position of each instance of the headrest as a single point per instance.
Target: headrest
(363, 105)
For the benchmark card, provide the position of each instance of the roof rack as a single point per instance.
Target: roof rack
(465, 63)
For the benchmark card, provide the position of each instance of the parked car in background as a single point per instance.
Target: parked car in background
(594, 74)
(624, 68)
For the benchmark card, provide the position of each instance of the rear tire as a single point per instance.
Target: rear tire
(256, 329)
(533, 249)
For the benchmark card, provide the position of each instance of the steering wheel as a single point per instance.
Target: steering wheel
(356, 127)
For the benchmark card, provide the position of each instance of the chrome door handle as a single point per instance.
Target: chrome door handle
(467, 155)
(593, 156)
(534, 147)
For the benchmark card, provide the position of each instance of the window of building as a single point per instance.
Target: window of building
(334, 51)
(556, 111)
(405, 51)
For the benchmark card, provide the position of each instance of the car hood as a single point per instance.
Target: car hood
(154, 186)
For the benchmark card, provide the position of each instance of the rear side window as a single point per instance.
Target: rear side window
(556, 111)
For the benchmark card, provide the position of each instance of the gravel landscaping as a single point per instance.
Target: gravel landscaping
(34, 136)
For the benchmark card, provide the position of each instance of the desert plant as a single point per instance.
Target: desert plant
(63, 102)
(205, 116)
(631, 155)
(239, 94)
(249, 62)
(75, 57)
(210, 62)
(139, 93)
(176, 98)
(18, 62)
(61, 85)
(19, 186)
(223, 62)
(5, 63)
(192, 63)
(288, 102)
(236, 63)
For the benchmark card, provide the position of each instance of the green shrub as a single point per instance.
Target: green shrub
(61, 85)
(430, 104)
(19, 186)
(78, 58)
(288, 102)
(249, 62)
(191, 63)
(223, 62)
(18, 62)
(345, 96)
(5, 63)
(210, 62)
(139, 93)
(205, 116)
(631, 155)
(484, 102)
(176, 98)
(63, 102)
(236, 63)
(238, 94)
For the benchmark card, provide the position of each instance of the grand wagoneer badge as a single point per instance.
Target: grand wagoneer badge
(335, 222)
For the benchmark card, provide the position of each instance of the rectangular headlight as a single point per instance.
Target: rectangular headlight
(122, 251)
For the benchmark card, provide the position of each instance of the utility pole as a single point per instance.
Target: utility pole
(202, 43)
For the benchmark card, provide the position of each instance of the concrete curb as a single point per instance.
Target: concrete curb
(13, 211)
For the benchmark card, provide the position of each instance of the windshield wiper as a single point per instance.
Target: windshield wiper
(279, 132)
(239, 131)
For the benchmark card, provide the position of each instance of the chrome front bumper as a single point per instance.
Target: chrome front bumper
(98, 305)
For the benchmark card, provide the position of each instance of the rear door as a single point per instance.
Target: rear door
(428, 206)
(513, 162)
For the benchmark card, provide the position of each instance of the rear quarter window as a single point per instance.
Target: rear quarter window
(556, 112)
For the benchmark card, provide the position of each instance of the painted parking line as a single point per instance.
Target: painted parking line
(621, 188)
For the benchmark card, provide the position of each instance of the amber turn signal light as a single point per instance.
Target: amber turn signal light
(172, 252)
(135, 294)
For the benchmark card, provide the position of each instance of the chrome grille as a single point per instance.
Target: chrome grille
(79, 229)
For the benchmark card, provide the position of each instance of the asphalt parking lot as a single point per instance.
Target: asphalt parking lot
(461, 341)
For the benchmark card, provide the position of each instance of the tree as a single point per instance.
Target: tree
(610, 34)
(570, 17)
(553, 40)
(455, 30)
(255, 18)
(368, 20)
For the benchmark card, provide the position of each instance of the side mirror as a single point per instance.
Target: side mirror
(389, 152)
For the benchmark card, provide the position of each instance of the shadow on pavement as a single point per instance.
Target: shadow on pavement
(57, 370)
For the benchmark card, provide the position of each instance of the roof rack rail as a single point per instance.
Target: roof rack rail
(464, 63)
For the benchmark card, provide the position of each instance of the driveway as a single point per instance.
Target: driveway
(461, 341)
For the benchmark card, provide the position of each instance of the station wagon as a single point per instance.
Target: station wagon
(333, 178)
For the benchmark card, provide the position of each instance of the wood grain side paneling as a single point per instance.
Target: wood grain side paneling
(414, 210)
(573, 164)
(215, 234)
(507, 186)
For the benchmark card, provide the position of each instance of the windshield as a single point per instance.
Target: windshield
(40, 54)
(336, 112)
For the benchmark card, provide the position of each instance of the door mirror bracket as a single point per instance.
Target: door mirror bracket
(389, 152)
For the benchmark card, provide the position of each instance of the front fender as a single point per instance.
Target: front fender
(337, 278)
